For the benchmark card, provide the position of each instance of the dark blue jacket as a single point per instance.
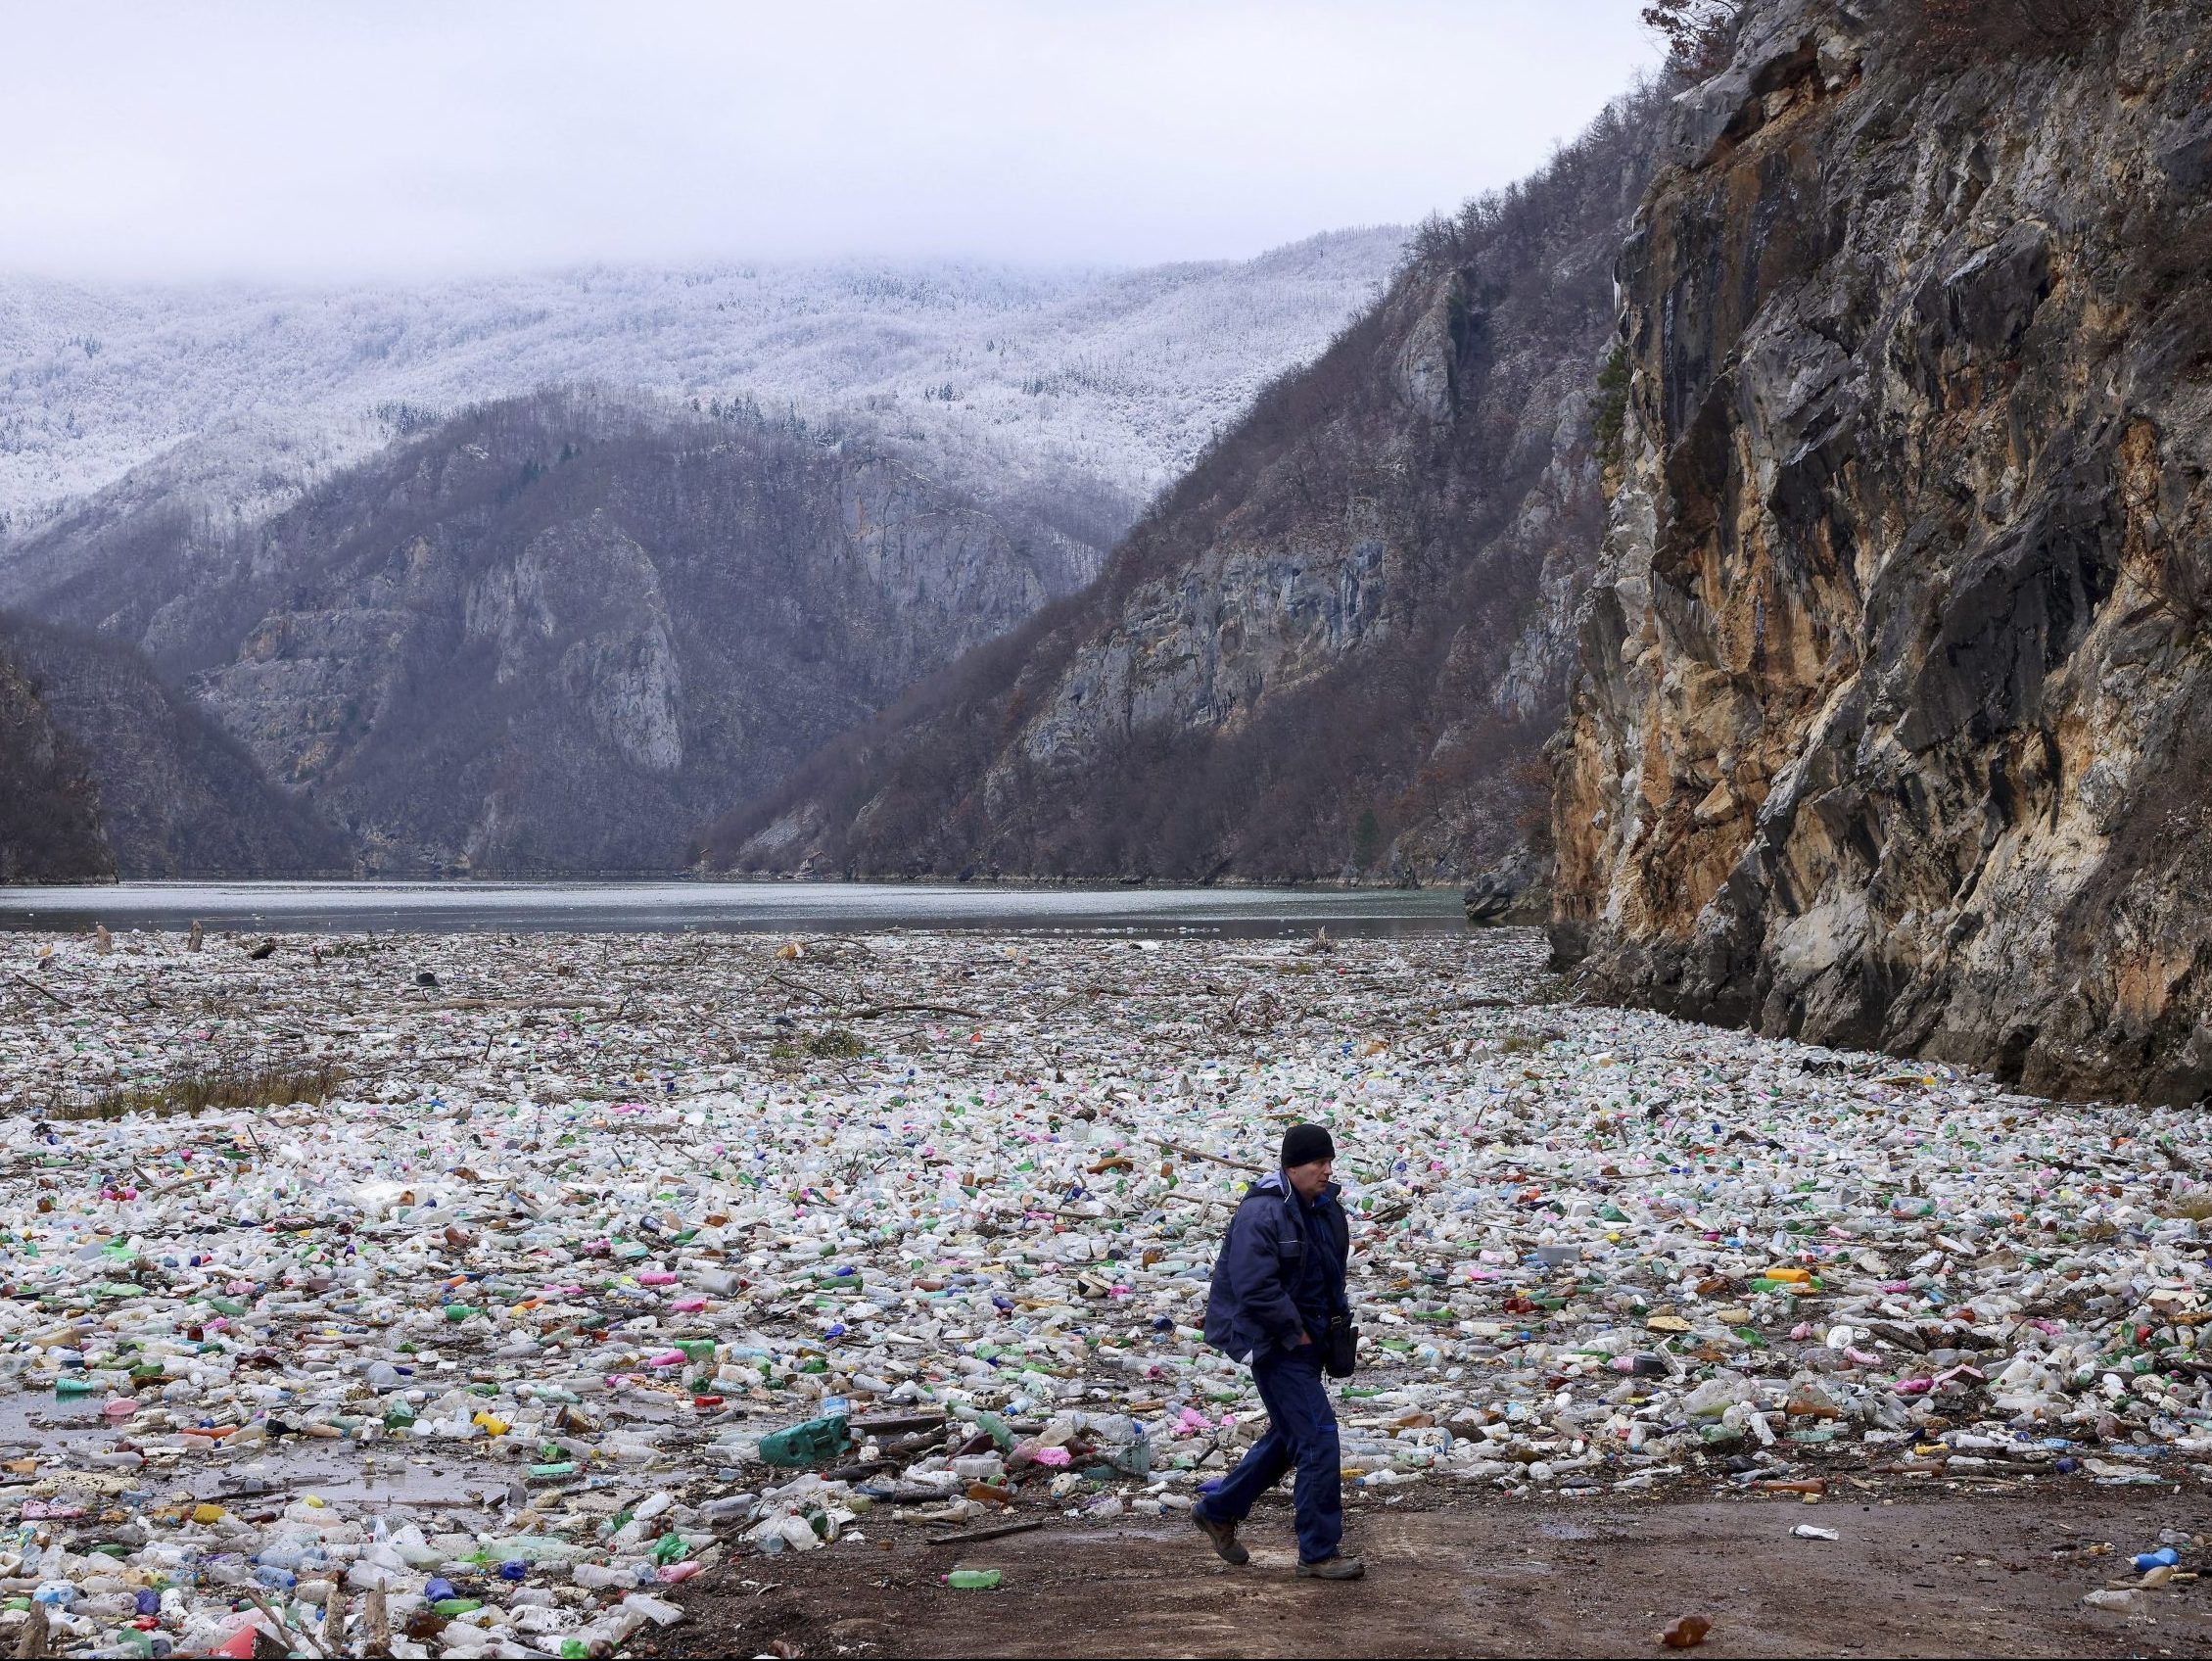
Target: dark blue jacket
(1252, 1307)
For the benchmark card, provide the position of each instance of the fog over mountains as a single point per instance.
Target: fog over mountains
(547, 572)
(238, 395)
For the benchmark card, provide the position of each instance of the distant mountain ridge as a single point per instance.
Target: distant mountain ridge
(1334, 648)
(229, 399)
(559, 632)
(308, 505)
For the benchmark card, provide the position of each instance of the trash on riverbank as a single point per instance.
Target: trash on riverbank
(588, 1222)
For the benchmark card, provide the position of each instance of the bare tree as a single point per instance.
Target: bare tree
(1699, 35)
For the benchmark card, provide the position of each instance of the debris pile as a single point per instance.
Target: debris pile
(587, 1260)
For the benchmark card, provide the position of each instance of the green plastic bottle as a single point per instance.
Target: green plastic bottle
(973, 1580)
(1000, 1432)
(807, 1444)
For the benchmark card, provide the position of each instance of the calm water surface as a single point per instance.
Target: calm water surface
(794, 908)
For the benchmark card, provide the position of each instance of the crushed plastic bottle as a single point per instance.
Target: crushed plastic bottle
(808, 1444)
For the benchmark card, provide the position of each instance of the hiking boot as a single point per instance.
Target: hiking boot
(1224, 1537)
(1337, 1568)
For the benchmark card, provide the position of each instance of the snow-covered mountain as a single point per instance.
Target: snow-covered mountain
(243, 396)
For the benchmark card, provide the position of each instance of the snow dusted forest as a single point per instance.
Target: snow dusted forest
(760, 499)
(1006, 379)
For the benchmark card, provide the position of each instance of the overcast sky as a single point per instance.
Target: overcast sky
(349, 138)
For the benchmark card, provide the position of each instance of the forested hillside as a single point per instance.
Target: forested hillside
(49, 805)
(176, 796)
(1089, 387)
(559, 632)
(1336, 646)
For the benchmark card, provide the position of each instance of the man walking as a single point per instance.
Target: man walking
(1278, 1292)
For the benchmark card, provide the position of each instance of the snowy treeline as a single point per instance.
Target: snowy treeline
(1006, 378)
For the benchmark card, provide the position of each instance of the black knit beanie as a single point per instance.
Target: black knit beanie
(1302, 1144)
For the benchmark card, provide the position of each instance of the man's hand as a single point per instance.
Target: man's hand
(1304, 1338)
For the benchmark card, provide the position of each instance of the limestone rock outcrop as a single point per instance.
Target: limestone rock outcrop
(1894, 715)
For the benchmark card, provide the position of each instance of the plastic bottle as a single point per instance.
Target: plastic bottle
(599, 1577)
(810, 1443)
(657, 1610)
(1000, 1431)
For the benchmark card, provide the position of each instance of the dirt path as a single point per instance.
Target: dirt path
(1477, 1577)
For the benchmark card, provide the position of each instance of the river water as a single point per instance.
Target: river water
(795, 907)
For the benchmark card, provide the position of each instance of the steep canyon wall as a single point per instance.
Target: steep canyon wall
(1893, 723)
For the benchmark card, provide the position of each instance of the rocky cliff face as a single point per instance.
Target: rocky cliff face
(176, 796)
(558, 634)
(1335, 649)
(1893, 723)
(49, 804)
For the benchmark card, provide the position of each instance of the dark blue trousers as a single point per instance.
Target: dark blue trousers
(1301, 1431)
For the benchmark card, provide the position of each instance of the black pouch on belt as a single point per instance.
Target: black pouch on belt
(1341, 1353)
